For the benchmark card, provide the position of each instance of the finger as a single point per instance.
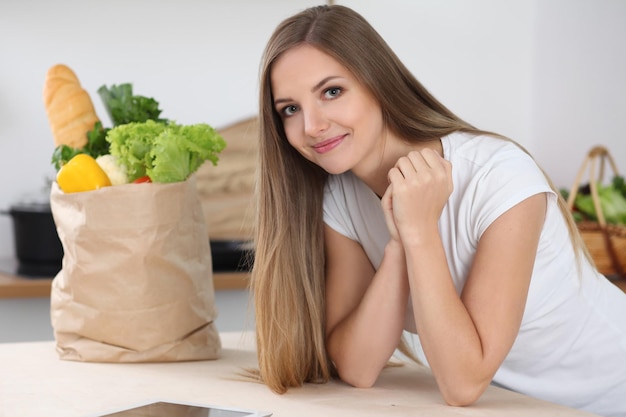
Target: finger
(431, 158)
(417, 159)
(404, 166)
(440, 167)
(394, 176)
(387, 205)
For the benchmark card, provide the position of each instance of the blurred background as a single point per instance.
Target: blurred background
(550, 74)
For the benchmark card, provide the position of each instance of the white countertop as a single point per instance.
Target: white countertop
(34, 382)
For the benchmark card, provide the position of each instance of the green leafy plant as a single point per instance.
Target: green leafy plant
(125, 107)
(165, 152)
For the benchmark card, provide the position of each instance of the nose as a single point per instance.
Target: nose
(315, 122)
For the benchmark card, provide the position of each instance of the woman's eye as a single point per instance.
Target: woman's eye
(332, 92)
(289, 110)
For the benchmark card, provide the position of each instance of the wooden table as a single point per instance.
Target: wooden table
(13, 286)
(34, 382)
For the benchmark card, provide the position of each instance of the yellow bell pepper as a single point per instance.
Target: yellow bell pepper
(82, 173)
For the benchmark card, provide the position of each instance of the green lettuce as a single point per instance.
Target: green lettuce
(166, 152)
(612, 202)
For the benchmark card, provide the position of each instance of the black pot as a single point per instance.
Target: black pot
(35, 234)
(231, 255)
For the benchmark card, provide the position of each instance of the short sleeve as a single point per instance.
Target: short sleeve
(503, 183)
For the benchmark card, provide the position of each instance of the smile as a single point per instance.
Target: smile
(328, 144)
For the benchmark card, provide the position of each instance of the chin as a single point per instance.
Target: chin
(334, 166)
(335, 170)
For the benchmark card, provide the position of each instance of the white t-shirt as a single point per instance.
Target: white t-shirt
(571, 346)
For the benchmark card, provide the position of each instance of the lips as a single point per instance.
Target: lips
(328, 144)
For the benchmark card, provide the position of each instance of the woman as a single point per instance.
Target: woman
(381, 211)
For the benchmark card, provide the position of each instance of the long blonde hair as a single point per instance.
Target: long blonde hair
(288, 276)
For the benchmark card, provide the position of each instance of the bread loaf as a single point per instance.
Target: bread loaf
(70, 110)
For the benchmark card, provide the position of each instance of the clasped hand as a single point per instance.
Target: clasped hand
(420, 184)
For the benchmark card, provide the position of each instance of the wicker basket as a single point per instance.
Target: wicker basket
(606, 242)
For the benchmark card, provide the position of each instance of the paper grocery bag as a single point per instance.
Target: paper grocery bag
(136, 282)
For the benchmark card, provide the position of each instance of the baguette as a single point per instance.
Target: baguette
(70, 111)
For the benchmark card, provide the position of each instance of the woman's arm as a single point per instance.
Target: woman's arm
(465, 338)
(365, 310)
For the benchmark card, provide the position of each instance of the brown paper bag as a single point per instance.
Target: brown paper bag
(136, 283)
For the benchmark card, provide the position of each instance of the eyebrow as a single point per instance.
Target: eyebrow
(313, 89)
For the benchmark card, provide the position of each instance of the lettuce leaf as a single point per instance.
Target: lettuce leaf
(166, 152)
(612, 202)
(180, 150)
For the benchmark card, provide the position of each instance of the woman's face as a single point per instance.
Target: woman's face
(328, 116)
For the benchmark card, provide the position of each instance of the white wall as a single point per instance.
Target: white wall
(548, 73)
(579, 86)
(474, 55)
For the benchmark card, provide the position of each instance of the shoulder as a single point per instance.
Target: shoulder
(490, 176)
(481, 149)
(486, 156)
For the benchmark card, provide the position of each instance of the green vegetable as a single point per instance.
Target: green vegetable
(131, 144)
(619, 184)
(180, 150)
(124, 107)
(612, 202)
(142, 142)
(96, 146)
(166, 152)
